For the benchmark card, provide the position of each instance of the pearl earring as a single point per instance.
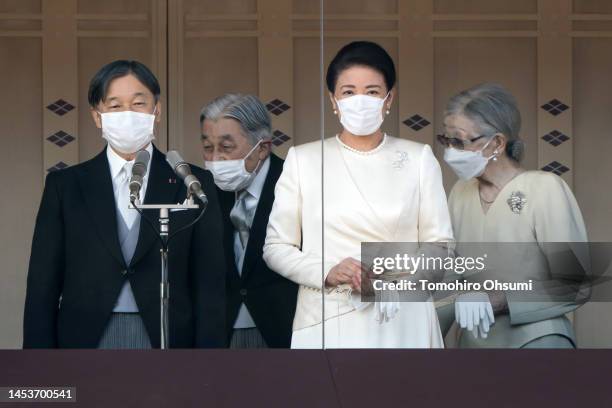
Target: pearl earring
(335, 112)
(495, 157)
(388, 112)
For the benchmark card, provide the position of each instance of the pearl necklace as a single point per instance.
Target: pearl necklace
(361, 152)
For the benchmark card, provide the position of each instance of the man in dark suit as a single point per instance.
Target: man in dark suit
(236, 132)
(94, 275)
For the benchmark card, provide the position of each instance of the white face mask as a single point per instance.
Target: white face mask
(232, 175)
(466, 163)
(128, 131)
(361, 114)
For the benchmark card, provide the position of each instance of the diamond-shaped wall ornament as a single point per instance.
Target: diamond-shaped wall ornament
(279, 138)
(555, 138)
(416, 122)
(277, 107)
(555, 107)
(556, 167)
(60, 138)
(60, 107)
(58, 166)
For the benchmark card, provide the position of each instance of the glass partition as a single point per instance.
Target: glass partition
(416, 94)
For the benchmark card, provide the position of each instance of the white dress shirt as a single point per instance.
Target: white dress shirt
(251, 195)
(125, 302)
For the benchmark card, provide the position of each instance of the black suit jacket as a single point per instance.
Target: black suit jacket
(269, 297)
(77, 269)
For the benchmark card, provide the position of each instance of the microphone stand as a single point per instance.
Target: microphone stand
(164, 231)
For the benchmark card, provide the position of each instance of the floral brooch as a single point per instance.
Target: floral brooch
(401, 158)
(517, 201)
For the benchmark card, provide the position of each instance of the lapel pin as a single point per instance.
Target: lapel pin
(172, 181)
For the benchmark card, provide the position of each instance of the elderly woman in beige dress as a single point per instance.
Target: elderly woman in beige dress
(376, 188)
(497, 200)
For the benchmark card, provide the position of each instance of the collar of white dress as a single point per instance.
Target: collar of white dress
(367, 152)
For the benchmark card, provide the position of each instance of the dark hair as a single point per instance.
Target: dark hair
(363, 53)
(98, 87)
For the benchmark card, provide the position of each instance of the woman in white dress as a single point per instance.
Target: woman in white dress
(376, 188)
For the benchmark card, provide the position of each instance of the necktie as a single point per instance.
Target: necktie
(128, 230)
(123, 195)
(240, 217)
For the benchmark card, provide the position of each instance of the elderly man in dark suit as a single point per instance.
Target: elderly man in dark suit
(236, 138)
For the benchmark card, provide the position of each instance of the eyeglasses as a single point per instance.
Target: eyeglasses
(455, 142)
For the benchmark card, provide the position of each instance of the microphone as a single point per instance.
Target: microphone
(182, 169)
(139, 169)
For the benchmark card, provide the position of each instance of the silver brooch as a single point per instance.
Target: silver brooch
(517, 202)
(401, 158)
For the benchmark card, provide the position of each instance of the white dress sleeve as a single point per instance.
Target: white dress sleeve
(434, 219)
(282, 249)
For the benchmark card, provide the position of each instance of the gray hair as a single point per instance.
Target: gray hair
(494, 110)
(247, 110)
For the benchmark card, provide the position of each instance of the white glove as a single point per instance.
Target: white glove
(473, 311)
(386, 311)
(386, 306)
(482, 329)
